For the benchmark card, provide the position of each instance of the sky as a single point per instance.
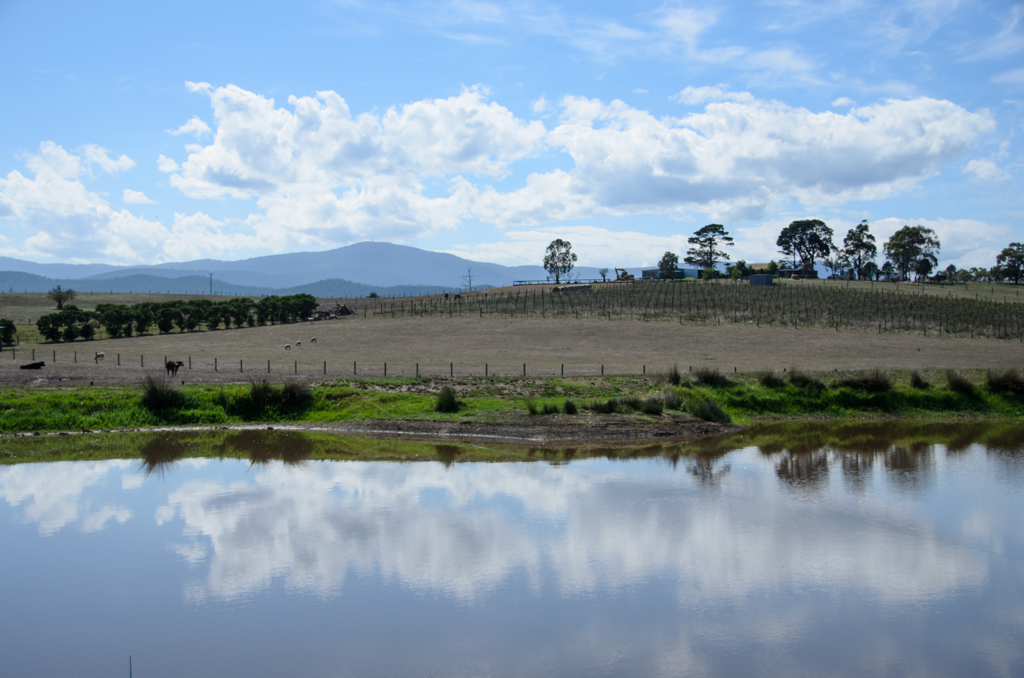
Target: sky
(142, 133)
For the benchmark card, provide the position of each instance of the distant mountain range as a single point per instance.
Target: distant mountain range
(351, 271)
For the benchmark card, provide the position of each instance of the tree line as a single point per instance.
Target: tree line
(124, 320)
(912, 250)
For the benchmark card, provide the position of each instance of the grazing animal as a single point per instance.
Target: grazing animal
(172, 367)
(298, 343)
(313, 340)
(100, 356)
(446, 296)
(287, 347)
(458, 297)
(34, 366)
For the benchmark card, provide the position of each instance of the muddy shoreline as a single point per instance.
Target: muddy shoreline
(605, 430)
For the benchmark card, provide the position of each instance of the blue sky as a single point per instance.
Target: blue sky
(152, 132)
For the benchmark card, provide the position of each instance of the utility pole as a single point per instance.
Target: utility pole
(211, 284)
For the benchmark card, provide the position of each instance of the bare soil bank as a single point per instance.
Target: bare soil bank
(466, 345)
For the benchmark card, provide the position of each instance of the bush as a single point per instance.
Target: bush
(570, 407)
(876, 381)
(709, 410)
(918, 382)
(710, 376)
(446, 400)
(769, 379)
(652, 406)
(958, 383)
(294, 392)
(671, 400)
(158, 394)
(531, 408)
(1009, 381)
(260, 394)
(550, 409)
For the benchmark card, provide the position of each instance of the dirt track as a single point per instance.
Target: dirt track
(502, 344)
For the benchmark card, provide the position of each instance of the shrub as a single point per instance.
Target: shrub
(531, 407)
(570, 407)
(876, 381)
(652, 406)
(710, 376)
(294, 392)
(671, 400)
(1009, 381)
(769, 379)
(158, 394)
(959, 383)
(550, 409)
(918, 382)
(710, 410)
(447, 402)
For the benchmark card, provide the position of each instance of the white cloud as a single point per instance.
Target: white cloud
(965, 242)
(136, 198)
(193, 126)
(165, 164)
(844, 101)
(98, 156)
(641, 90)
(694, 96)
(686, 25)
(322, 176)
(1015, 77)
(985, 170)
(204, 87)
(541, 105)
(70, 222)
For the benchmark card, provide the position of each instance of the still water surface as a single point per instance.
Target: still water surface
(869, 551)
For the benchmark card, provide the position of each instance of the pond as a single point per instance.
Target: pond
(859, 550)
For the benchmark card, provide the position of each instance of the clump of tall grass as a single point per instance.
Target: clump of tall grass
(610, 406)
(446, 400)
(631, 403)
(652, 406)
(673, 376)
(958, 383)
(1009, 381)
(531, 407)
(159, 394)
(769, 379)
(710, 376)
(294, 392)
(710, 410)
(569, 407)
(550, 408)
(804, 380)
(918, 382)
(875, 381)
(671, 400)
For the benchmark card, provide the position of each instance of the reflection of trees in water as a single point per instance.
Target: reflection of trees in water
(803, 474)
(857, 470)
(446, 454)
(707, 470)
(911, 467)
(263, 446)
(160, 454)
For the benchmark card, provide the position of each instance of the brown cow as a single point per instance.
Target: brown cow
(172, 367)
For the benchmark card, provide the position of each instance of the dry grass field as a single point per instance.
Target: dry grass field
(502, 344)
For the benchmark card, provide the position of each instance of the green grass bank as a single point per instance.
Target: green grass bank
(707, 394)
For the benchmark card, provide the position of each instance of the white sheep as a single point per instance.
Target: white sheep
(287, 347)
(100, 356)
(313, 340)
(298, 343)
